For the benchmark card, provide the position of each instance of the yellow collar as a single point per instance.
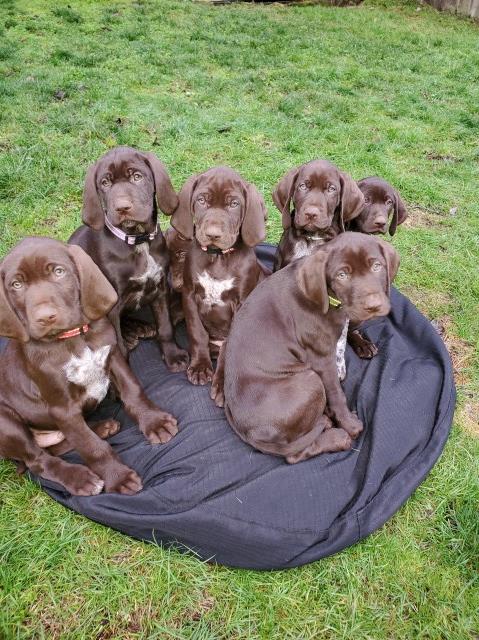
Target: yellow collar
(333, 302)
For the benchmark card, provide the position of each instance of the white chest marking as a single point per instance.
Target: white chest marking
(153, 270)
(214, 288)
(341, 350)
(88, 370)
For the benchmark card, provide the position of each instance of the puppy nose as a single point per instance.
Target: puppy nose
(310, 215)
(373, 303)
(380, 223)
(123, 206)
(45, 316)
(213, 233)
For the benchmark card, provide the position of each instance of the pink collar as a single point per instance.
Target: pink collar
(217, 252)
(78, 331)
(130, 239)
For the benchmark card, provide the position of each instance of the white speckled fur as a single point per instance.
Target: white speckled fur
(214, 288)
(88, 371)
(340, 351)
(305, 248)
(153, 271)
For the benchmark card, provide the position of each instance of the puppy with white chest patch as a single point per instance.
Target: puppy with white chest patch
(123, 190)
(62, 357)
(224, 217)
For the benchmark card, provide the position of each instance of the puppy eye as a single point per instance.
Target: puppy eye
(59, 271)
(16, 284)
(137, 176)
(201, 200)
(367, 200)
(105, 182)
(234, 204)
(389, 202)
(376, 266)
(342, 275)
(303, 186)
(331, 188)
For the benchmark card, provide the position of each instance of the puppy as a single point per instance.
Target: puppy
(280, 360)
(382, 205)
(58, 365)
(324, 200)
(122, 192)
(224, 216)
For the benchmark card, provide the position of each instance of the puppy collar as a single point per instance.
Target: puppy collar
(334, 302)
(215, 251)
(133, 239)
(78, 331)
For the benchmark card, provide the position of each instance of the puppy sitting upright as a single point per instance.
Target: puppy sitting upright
(381, 203)
(123, 238)
(58, 366)
(324, 200)
(226, 217)
(280, 363)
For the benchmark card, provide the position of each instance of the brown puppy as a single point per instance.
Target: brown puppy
(120, 198)
(324, 200)
(280, 368)
(58, 366)
(381, 202)
(226, 218)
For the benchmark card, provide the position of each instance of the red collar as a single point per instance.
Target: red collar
(78, 331)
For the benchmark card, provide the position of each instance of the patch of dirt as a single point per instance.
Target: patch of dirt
(468, 418)
(460, 350)
(420, 218)
(205, 604)
(427, 300)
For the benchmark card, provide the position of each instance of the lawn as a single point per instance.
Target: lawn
(387, 88)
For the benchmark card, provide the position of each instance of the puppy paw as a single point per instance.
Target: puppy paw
(362, 347)
(217, 392)
(351, 424)
(122, 479)
(83, 482)
(161, 427)
(176, 359)
(201, 373)
(106, 428)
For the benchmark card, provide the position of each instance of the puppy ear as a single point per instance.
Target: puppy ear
(283, 193)
(392, 258)
(253, 228)
(165, 194)
(92, 212)
(352, 199)
(182, 219)
(10, 324)
(312, 279)
(399, 215)
(97, 296)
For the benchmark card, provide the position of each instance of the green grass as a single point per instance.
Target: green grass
(380, 89)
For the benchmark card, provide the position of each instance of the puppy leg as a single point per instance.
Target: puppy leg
(103, 429)
(200, 370)
(114, 317)
(17, 443)
(157, 425)
(361, 346)
(217, 386)
(176, 359)
(329, 441)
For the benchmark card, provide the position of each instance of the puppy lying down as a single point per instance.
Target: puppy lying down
(58, 365)
(281, 389)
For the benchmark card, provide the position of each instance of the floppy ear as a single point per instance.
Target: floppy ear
(182, 219)
(253, 228)
(399, 215)
(312, 279)
(92, 212)
(352, 199)
(97, 296)
(10, 324)
(283, 193)
(165, 194)
(392, 258)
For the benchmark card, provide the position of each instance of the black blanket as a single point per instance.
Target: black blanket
(208, 491)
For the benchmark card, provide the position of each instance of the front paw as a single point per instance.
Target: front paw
(121, 479)
(160, 427)
(217, 390)
(83, 482)
(105, 428)
(200, 373)
(363, 347)
(176, 359)
(351, 424)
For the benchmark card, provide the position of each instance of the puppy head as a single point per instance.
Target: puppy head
(123, 184)
(48, 287)
(218, 207)
(354, 268)
(320, 194)
(382, 203)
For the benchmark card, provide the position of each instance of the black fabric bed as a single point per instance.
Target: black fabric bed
(208, 491)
